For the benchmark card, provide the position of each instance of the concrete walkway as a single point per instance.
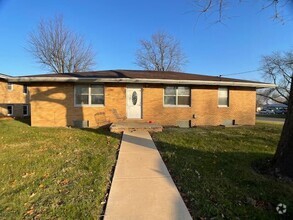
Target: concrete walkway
(142, 187)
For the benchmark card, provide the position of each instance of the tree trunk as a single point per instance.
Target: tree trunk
(283, 159)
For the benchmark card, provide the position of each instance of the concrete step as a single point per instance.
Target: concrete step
(119, 127)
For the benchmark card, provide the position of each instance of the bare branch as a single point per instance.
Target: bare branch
(161, 53)
(278, 69)
(217, 6)
(266, 98)
(58, 49)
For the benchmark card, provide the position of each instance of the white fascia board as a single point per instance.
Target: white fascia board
(127, 80)
(5, 77)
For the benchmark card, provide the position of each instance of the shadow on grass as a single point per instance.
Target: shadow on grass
(216, 183)
(74, 161)
(224, 184)
(24, 120)
(103, 130)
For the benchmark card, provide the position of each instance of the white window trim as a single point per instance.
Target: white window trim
(176, 95)
(228, 98)
(11, 86)
(27, 110)
(90, 97)
(12, 109)
(81, 105)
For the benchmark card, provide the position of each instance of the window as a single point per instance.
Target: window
(177, 96)
(25, 110)
(97, 94)
(82, 95)
(89, 95)
(25, 89)
(170, 95)
(10, 86)
(9, 110)
(223, 97)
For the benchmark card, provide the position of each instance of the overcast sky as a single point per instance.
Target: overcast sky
(114, 28)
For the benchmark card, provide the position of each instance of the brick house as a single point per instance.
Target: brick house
(14, 98)
(168, 98)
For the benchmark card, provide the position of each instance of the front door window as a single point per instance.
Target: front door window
(134, 97)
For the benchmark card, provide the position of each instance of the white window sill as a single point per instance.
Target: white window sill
(89, 105)
(176, 106)
(223, 106)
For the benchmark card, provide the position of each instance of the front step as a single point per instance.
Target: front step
(119, 127)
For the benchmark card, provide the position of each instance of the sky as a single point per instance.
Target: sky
(114, 28)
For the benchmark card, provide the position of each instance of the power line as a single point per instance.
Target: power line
(239, 73)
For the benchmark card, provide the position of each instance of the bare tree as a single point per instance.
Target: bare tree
(58, 49)
(283, 158)
(219, 6)
(278, 69)
(260, 101)
(161, 53)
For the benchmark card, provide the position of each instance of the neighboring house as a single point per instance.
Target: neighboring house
(14, 98)
(167, 98)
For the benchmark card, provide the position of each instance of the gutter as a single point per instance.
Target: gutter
(138, 81)
(5, 77)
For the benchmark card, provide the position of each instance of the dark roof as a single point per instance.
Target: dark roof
(142, 74)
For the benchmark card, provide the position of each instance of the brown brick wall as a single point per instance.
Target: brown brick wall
(53, 105)
(16, 97)
(241, 108)
(204, 105)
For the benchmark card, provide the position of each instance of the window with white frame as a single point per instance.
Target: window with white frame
(97, 94)
(223, 97)
(81, 95)
(10, 86)
(177, 96)
(25, 89)
(88, 95)
(25, 110)
(9, 110)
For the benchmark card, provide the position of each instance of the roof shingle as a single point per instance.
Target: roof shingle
(142, 74)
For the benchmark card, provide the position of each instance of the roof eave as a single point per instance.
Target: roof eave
(136, 80)
(5, 77)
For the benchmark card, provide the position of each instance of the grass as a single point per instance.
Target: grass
(270, 116)
(54, 173)
(212, 168)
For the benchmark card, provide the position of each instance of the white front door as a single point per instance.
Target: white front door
(133, 102)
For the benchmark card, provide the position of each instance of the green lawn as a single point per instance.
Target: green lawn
(270, 116)
(212, 170)
(54, 173)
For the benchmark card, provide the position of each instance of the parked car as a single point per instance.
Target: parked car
(281, 111)
(266, 112)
